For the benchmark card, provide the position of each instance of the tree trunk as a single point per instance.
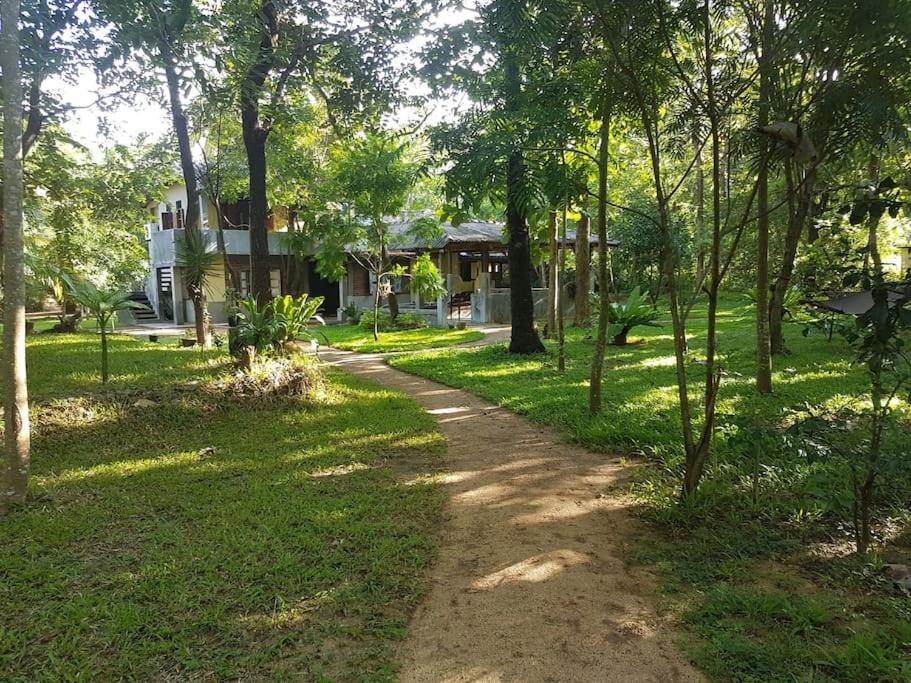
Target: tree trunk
(15, 388)
(763, 343)
(181, 130)
(699, 172)
(255, 145)
(104, 353)
(561, 273)
(698, 450)
(796, 221)
(188, 169)
(255, 135)
(583, 271)
(873, 220)
(523, 338)
(376, 309)
(597, 372)
(552, 278)
(393, 302)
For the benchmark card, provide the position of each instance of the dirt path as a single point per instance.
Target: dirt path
(530, 584)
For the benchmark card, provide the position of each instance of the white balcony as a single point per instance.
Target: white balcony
(163, 250)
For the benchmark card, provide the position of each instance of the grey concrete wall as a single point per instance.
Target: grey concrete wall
(498, 305)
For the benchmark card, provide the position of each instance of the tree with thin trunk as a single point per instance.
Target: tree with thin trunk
(553, 283)
(167, 32)
(17, 434)
(583, 270)
(597, 372)
(763, 342)
(102, 305)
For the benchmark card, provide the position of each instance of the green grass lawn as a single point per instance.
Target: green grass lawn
(61, 365)
(356, 338)
(740, 573)
(295, 550)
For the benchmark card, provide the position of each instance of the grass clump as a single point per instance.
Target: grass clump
(275, 377)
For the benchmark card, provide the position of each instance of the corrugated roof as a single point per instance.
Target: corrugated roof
(469, 232)
(464, 233)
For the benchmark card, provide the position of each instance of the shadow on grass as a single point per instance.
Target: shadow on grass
(138, 557)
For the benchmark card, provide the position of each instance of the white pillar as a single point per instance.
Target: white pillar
(342, 296)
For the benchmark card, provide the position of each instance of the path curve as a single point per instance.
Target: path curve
(530, 584)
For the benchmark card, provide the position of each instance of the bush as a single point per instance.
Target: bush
(623, 316)
(267, 328)
(404, 321)
(274, 378)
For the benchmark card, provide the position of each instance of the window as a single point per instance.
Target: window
(167, 220)
(465, 271)
(180, 214)
(275, 282)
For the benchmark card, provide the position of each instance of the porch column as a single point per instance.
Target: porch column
(177, 288)
(443, 303)
(342, 296)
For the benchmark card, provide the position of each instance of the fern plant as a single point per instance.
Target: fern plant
(623, 316)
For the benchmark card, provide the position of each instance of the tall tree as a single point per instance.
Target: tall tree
(163, 31)
(15, 388)
(57, 38)
(763, 342)
(341, 53)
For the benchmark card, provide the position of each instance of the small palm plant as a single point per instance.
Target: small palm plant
(623, 316)
(102, 305)
(198, 259)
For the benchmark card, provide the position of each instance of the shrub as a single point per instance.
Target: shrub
(403, 321)
(623, 316)
(274, 378)
(264, 329)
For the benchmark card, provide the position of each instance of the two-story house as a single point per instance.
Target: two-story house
(166, 287)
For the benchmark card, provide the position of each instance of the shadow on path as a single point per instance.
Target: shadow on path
(530, 584)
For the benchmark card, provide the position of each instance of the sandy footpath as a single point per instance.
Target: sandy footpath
(530, 584)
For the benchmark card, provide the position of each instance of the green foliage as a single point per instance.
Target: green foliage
(102, 305)
(636, 261)
(297, 314)
(256, 328)
(634, 311)
(266, 327)
(425, 280)
(197, 257)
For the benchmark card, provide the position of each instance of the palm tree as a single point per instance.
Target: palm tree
(198, 260)
(102, 305)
